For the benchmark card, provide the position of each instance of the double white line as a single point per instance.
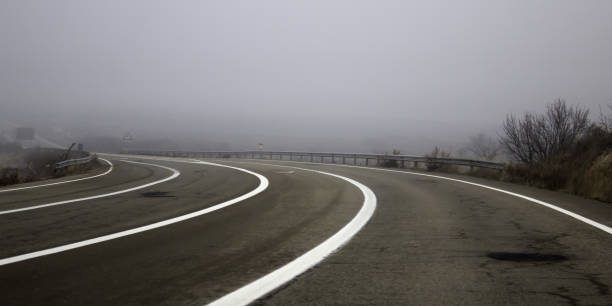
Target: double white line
(262, 186)
(175, 173)
(64, 182)
(263, 285)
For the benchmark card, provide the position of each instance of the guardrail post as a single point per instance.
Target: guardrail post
(311, 157)
(333, 159)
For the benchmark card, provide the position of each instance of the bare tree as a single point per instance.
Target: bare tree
(483, 146)
(518, 137)
(538, 137)
(605, 120)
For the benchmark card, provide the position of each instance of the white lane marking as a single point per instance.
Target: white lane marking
(263, 184)
(150, 157)
(285, 172)
(576, 216)
(264, 285)
(63, 182)
(175, 173)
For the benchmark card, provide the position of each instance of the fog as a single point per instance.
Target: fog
(348, 76)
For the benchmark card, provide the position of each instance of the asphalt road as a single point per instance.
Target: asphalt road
(430, 241)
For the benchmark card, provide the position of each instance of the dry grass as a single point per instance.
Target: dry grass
(597, 181)
(491, 174)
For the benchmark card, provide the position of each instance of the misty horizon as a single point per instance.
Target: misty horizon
(352, 76)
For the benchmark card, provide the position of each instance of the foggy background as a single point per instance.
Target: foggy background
(346, 76)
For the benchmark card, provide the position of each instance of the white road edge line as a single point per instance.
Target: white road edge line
(576, 216)
(266, 284)
(175, 173)
(263, 184)
(64, 182)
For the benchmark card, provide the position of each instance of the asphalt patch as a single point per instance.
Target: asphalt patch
(525, 257)
(157, 194)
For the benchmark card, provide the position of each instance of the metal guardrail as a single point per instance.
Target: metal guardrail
(75, 161)
(401, 161)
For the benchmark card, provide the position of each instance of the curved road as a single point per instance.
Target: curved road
(429, 241)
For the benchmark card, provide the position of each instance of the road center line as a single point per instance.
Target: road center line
(576, 216)
(266, 284)
(263, 184)
(64, 182)
(175, 173)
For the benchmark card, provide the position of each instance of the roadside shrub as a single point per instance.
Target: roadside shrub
(542, 175)
(432, 164)
(541, 137)
(9, 176)
(585, 169)
(491, 174)
(597, 180)
(35, 164)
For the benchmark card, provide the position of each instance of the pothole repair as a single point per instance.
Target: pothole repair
(526, 257)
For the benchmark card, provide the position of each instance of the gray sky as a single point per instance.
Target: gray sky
(299, 75)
